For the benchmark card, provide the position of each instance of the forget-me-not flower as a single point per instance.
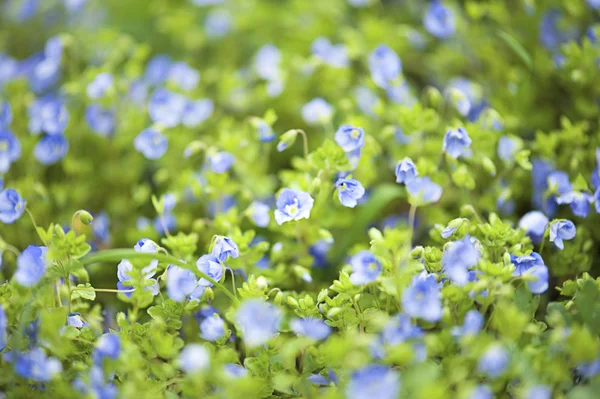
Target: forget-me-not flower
(406, 171)
(424, 190)
(221, 162)
(196, 112)
(365, 268)
(212, 328)
(258, 320)
(184, 76)
(109, 345)
(166, 108)
(472, 324)
(31, 265)
(534, 223)
(293, 205)
(48, 115)
(151, 143)
(439, 20)
(494, 361)
(36, 365)
(422, 298)
(51, 149)
(101, 120)
(10, 149)
(218, 23)
(209, 265)
(456, 142)
(562, 230)
(334, 55)
(225, 247)
(157, 69)
(317, 111)
(533, 265)
(578, 201)
(349, 191)
(182, 284)
(102, 83)
(310, 327)
(12, 205)
(194, 358)
(259, 211)
(385, 66)
(458, 258)
(373, 381)
(350, 138)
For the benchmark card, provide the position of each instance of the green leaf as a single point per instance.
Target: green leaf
(85, 291)
(516, 47)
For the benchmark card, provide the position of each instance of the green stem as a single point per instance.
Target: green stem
(35, 225)
(305, 140)
(412, 213)
(115, 255)
(102, 289)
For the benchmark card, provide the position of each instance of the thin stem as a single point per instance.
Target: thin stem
(102, 289)
(68, 279)
(35, 225)
(114, 255)
(6, 246)
(305, 139)
(412, 213)
(233, 281)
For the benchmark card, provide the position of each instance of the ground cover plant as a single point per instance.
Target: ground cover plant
(293, 198)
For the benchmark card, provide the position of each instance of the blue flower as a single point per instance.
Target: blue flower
(562, 230)
(317, 111)
(319, 252)
(456, 142)
(35, 365)
(439, 20)
(365, 268)
(366, 100)
(311, 327)
(258, 321)
(5, 114)
(350, 138)
(507, 148)
(51, 149)
(595, 4)
(102, 83)
(218, 23)
(48, 115)
(293, 205)
(349, 191)
(553, 30)
(209, 265)
(458, 258)
(399, 329)
(12, 206)
(406, 171)
(182, 284)
(166, 108)
(385, 66)
(260, 213)
(221, 162)
(579, 202)
(534, 223)
(422, 299)
(596, 200)
(539, 392)
(334, 55)
(196, 112)
(471, 326)
(31, 265)
(482, 392)
(532, 265)
(157, 70)
(100, 120)
(234, 370)
(267, 61)
(559, 182)
(265, 132)
(225, 247)
(3, 326)
(424, 190)
(373, 381)
(151, 143)
(194, 358)
(589, 370)
(109, 345)
(8, 68)
(212, 328)
(74, 320)
(184, 76)
(494, 361)
(10, 149)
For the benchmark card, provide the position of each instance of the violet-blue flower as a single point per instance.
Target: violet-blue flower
(406, 171)
(101, 84)
(293, 205)
(212, 328)
(221, 162)
(472, 324)
(51, 149)
(533, 265)
(31, 265)
(350, 138)
(424, 190)
(385, 66)
(12, 205)
(422, 298)
(349, 191)
(373, 381)
(10, 149)
(184, 76)
(260, 213)
(209, 265)
(218, 23)
(166, 108)
(258, 320)
(48, 115)
(578, 201)
(157, 70)
(182, 284)
(365, 268)
(494, 361)
(101, 120)
(317, 111)
(458, 258)
(109, 345)
(562, 230)
(151, 143)
(400, 328)
(310, 327)
(225, 247)
(194, 358)
(196, 112)
(456, 142)
(439, 20)
(36, 365)
(534, 223)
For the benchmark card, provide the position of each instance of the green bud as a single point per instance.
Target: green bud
(432, 97)
(209, 294)
(85, 217)
(325, 235)
(279, 298)
(489, 166)
(287, 139)
(322, 295)
(292, 302)
(417, 252)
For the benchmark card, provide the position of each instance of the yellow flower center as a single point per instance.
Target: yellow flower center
(355, 133)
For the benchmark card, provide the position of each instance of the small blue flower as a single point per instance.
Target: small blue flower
(559, 182)
(422, 298)
(471, 326)
(12, 206)
(209, 265)
(579, 202)
(196, 112)
(311, 327)
(458, 258)
(350, 138)
(539, 392)
(456, 142)
(596, 200)
(482, 392)
(439, 20)
(293, 205)
(194, 358)
(51, 149)
(533, 265)
(3, 326)
(258, 321)
(406, 171)
(221, 162)
(31, 265)
(260, 213)
(265, 132)
(35, 365)
(562, 230)
(366, 99)
(157, 70)
(5, 114)
(317, 111)
(400, 328)
(109, 345)
(424, 190)
(507, 148)
(218, 23)
(267, 61)
(319, 251)
(212, 328)
(48, 115)
(334, 55)
(182, 284)
(102, 83)
(595, 4)
(74, 320)
(10, 149)
(385, 66)
(101, 121)
(349, 191)
(166, 108)
(184, 76)
(373, 381)
(234, 370)
(589, 370)
(365, 268)
(534, 223)
(224, 248)
(494, 361)
(151, 143)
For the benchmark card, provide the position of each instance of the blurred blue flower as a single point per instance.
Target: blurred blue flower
(157, 70)
(209, 265)
(439, 20)
(224, 247)
(482, 391)
(365, 268)
(102, 83)
(319, 252)
(196, 112)
(74, 320)
(539, 392)
(8, 68)
(265, 132)
(5, 114)
(423, 189)
(51, 149)
(589, 370)
(218, 23)
(562, 230)
(260, 213)
(48, 115)
(12, 206)
(334, 55)
(373, 381)
(553, 30)
(3, 325)
(258, 321)
(151, 143)
(533, 265)
(366, 99)
(267, 62)
(456, 142)
(507, 148)
(194, 358)
(494, 361)
(221, 162)
(10, 149)
(310, 327)
(422, 298)
(317, 111)
(182, 284)
(595, 4)
(472, 324)
(559, 182)
(458, 258)
(108, 346)
(534, 223)
(578, 201)
(349, 191)
(234, 370)
(597, 200)
(385, 66)
(293, 205)
(406, 171)
(35, 365)
(101, 120)
(184, 76)
(166, 108)
(212, 328)
(31, 265)
(400, 328)
(350, 138)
